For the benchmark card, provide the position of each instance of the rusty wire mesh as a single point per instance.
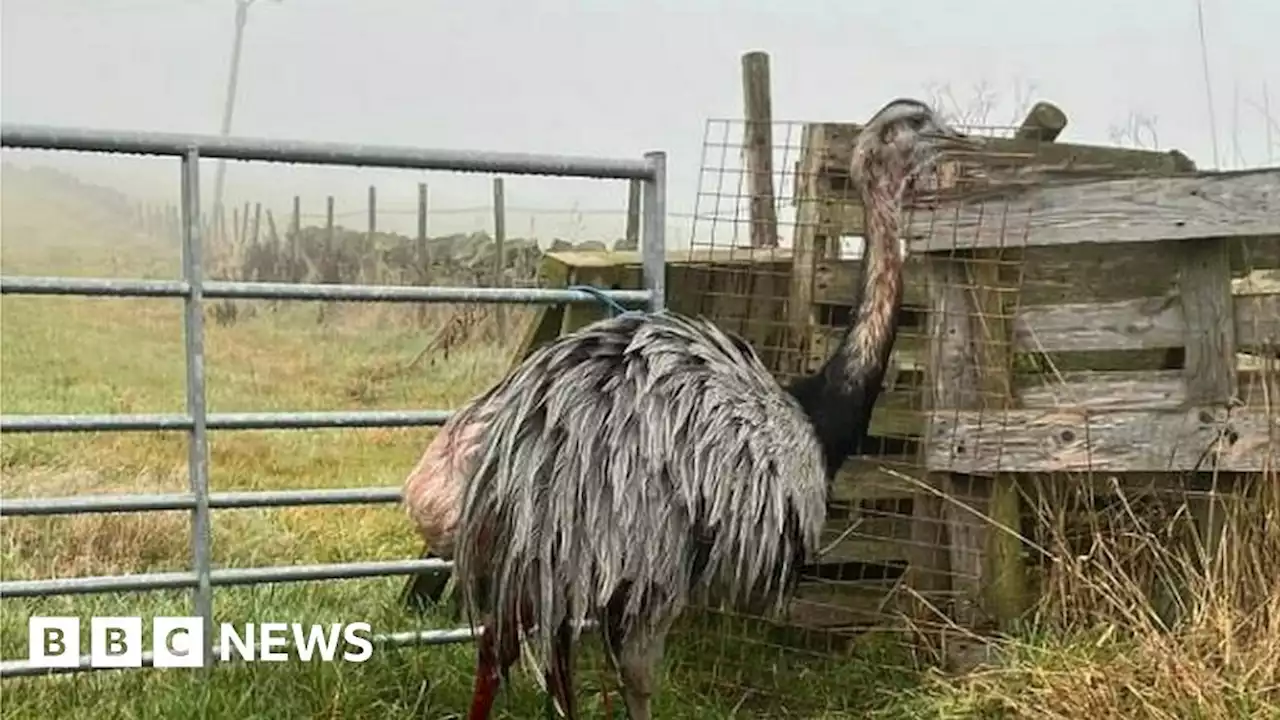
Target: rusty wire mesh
(955, 521)
(789, 290)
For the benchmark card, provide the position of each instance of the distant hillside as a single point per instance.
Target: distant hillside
(42, 207)
(49, 213)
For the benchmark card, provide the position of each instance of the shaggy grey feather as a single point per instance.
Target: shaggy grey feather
(652, 453)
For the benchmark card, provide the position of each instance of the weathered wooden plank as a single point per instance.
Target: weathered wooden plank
(1096, 273)
(1137, 324)
(1204, 285)
(908, 351)
(1029, 153)
(1246, 253)
(682, 256)
(1236, 204)
(577, 316)
(806, 241)
(1057, 274)
(842, 213)
(862, 478)
(1092, 390)
(1110, 441)
(835, 282)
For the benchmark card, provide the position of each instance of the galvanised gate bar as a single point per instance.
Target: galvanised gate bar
(197, 421)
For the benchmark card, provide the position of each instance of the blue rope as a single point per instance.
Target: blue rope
(614, 306)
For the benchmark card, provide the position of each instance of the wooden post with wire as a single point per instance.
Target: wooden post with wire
(255, 240)
(330, 269)
(758, 148)
(1209, 372)
(965, 529)
(499, 254)
(296, 265)
(1004, 588)
(244, 226)
(369, 263)
(328, 263)
(422, 257)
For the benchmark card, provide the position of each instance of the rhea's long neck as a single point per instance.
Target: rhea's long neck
(840, 397)
(865, 350)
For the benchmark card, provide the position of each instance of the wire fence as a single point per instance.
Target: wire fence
(197, 421)
(1030, 416)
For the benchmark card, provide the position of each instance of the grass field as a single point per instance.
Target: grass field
(1104, 660)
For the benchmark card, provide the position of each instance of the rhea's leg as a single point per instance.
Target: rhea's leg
(494, 657)
(635, 653)
(560, 673)
(638, 665)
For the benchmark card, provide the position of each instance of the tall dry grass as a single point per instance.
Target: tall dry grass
(1155, 602)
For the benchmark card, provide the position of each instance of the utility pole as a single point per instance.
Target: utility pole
(229, 104)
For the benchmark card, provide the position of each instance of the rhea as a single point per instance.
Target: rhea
(645, 460)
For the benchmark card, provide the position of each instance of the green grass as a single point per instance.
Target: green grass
(76, 355)
(712, 672)
(113, 356)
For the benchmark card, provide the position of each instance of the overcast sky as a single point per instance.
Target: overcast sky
(610, 78)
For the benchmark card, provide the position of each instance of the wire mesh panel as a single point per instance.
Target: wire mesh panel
(738, 271)
(946, 519)
(779, 262)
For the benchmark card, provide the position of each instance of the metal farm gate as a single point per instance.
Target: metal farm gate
(197, 421)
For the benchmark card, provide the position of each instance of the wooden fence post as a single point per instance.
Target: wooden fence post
(244, 222)
(328, 263)
(499, 253)
(330, 240)
(296, 266)
(758, 148)
(1204, 284)
(970, 369)
(422, 257)
(370, 261)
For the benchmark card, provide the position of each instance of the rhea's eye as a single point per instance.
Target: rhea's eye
(916, 122)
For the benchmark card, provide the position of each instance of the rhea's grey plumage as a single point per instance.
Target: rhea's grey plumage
(627, 453)
(626, 468)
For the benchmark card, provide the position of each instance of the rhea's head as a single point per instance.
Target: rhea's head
(901, 142)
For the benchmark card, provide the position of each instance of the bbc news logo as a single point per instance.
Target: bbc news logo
(117, 642)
